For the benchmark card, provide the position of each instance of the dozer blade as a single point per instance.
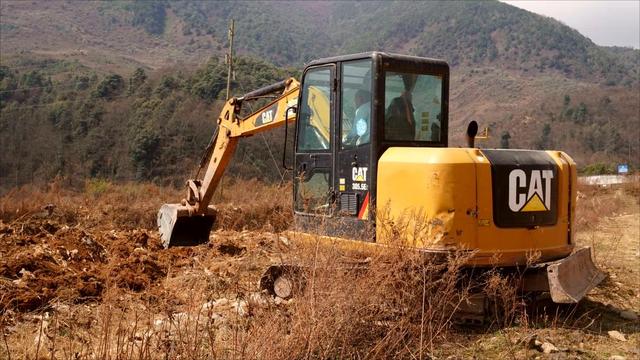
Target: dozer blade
(178, 228)
(571, 278)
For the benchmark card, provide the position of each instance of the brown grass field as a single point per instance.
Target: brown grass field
(85, 278)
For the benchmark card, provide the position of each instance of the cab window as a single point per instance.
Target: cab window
(355, 122)
(313, 192)
(413, 107)
(315, 111)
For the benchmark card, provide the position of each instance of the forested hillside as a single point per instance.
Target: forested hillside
(80, 125)
(127, 89)
(290, 33)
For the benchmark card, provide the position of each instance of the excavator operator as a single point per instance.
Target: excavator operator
(400, 123)
(359, 133)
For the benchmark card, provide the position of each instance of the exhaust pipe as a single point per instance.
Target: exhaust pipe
(472, 131)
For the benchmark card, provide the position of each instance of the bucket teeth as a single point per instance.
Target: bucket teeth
(178, 228)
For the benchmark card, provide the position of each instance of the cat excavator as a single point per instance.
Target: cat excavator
(371, 151)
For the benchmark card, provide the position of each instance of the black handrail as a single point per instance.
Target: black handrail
(286, 130)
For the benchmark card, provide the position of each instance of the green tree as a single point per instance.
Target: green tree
(167, 84)
(598, 169)
(4, 72)
(143, 151)
(150, 15)
(82, 82)
(210, 80)
(111, 86)
(137, 79)
(581, 113)
(33, 79)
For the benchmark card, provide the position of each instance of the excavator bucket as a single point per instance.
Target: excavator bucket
(571, 278)
(178, 228)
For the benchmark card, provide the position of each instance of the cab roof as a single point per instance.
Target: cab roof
(373, 54)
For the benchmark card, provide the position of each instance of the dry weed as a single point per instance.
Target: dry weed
(360, 302)
(203, 303)
(246, 204)
(595, 203)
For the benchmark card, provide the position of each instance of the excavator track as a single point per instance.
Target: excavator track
(565, 281)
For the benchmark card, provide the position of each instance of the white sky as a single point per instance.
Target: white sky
(604, 22)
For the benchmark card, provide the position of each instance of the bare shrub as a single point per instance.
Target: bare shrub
(506, 306)
(594, 203)
(399, 305)
(253, 205)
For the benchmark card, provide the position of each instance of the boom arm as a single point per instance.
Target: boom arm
(231, 128)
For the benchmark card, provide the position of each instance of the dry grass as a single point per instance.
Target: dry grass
(400, 306)
(596, 203)
(204, 304)
(244, 204)
(201, 303)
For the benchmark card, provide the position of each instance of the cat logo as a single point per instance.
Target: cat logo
(267, 116)
(359, 174)
(532, 194)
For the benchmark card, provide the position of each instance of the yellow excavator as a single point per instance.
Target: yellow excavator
(371, 151)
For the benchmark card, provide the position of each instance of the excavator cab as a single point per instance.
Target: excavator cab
(347, 111)
(351, 110)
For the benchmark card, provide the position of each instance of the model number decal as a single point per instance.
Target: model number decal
(359, 178)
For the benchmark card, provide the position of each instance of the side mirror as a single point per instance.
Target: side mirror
(472, 131)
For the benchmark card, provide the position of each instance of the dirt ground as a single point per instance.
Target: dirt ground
(72, 286)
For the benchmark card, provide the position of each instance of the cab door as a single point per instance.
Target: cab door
(354, 172)
(313, 168)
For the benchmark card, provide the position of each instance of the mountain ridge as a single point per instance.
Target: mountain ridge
(288, 34)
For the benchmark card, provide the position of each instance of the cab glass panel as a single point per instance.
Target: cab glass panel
(413, 107)
(356, 103)
(314, 121)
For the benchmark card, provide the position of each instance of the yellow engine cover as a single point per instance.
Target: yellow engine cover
(442, 199)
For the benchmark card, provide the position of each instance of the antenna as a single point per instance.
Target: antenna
(229, 57)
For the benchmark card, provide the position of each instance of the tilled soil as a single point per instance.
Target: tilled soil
(43, 259)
